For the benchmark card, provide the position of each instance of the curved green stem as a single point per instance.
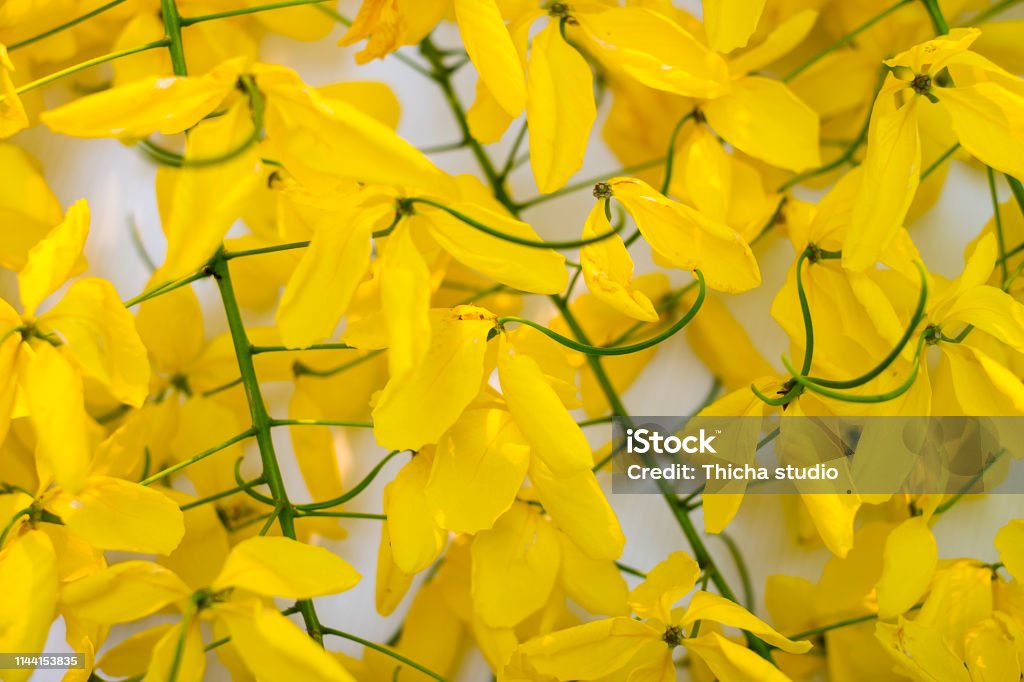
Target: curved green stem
(915, 320)
(589, 182)
(248, 433)
(533, 243)
(103, 59)
(943, 157)
(386, 651)
(358, 488)
(188, 21)
(670, 155)
(248, 490)
(1001, 239)
(846, 39)
(846, 397)
(618, 350)
(66, 25)
(805, 311)
(245, 485)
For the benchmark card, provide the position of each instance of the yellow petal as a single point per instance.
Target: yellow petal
(188, 662)
(763, 118)
(608, 269)
(12, 112)
(131, 656)
(274, 648)
(725, 347)
(478, 468)
(921, 651)
(171, 328)
(990, 652)
(730, 662)
(707, 606)
(207, 200)
(27, 206)
(314, 447)
(416, 540)
(991, 310)
(596, 585)
(112, 513)
(537, 270)
(490, 46)
(372, 97)
(161, 104)
(282, 567)
(487, 120)
(908, 562)
(967, 381)
(124, 592)
(28, 569)
(1010, 543)
(553, 434)
(53, 392)
(55, 259)
(325, 141)
(515, 565)
(783, 38)
(336, 260)
(730, 23)
(405, 300)
(889, 180)
(560, 110)
(665, 584)
(656, 51)
(100, 335)
(986, 117)
(416, 410)
(392, 583)
(687, 239)
(594, 650)
(12, 354)
(577, 504)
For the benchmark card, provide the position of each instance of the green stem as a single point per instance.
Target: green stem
(700, 551)
(320, 422)
(66, 25)
(257, 350)
(846, 39)
(386, 651)
(915, 320)
(670, 154)
(358, 488)
(948, 504)
(1000, 238)
(741, 568)
(345, 515)
(165, 288)
(261, 422)
(939, 161)
(222, 494)
(188, 21)
(291, 246)
(302, 370)
(533, 243)
(805, 311)
(589, 182)
(102, 59)
(836, 163)
(591, 350)
(629, 570)
(179, 647)
(935, 12)
(201, 456)
(172, 25)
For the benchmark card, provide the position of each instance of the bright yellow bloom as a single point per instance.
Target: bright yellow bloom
(256, 569)
(984, 105)
(12, 112)
(595, 650)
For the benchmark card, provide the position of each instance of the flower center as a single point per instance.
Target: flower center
(922, 84)
(673, 635)
(602, 190)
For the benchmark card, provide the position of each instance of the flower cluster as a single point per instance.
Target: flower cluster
(471, 352)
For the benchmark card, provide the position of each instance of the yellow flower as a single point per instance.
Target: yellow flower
(595, 650)
(984, 105)
(237, 600)
(87, 333)
(684, 238)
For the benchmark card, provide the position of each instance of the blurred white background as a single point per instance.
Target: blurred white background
(118, 183)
